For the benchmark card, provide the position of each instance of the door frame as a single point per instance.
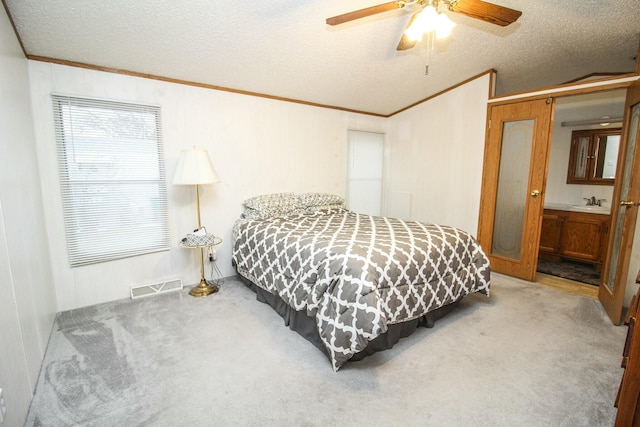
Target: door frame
(613, 300)
(598, 85)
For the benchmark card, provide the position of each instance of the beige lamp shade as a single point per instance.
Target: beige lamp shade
(195, 167)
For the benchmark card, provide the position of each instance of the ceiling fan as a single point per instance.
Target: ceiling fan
(485, 11)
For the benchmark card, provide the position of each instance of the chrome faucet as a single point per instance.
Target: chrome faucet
(592, 201)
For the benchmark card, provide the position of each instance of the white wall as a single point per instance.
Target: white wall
(27, 299)
(557, 190)
(435, 157)
(261, 146)
(432, 172)
(257, 146)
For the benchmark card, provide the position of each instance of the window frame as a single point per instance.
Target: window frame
(112, 178)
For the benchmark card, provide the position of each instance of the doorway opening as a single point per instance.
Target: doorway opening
(577, 207)
(617, 259)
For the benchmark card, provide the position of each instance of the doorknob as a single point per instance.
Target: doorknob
(629, 203)
(535, 193)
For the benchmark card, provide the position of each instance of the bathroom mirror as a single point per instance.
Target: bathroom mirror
(593, 156)
(607, 155)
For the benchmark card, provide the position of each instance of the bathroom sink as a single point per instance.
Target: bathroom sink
(604, 210)
(594, 209)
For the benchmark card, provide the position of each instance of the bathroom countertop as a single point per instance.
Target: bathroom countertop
(602, 210)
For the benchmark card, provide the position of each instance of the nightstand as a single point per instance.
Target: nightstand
(203, 288)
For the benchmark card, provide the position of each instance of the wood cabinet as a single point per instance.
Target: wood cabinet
(593, 156)
(551, 232)
(628, 398)
(575, 235)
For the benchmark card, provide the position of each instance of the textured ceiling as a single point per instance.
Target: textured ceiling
(283, 48)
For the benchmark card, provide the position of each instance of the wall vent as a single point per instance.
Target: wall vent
(156, 288)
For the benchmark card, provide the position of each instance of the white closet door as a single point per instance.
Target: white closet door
(364, 172)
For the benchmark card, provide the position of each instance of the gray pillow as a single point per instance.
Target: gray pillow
(314, 202)
(272, 206)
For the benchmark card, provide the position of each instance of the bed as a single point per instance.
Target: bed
(351, 283)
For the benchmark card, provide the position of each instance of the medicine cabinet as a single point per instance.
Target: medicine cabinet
(593, 156)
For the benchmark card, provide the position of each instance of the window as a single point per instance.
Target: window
(112, 179)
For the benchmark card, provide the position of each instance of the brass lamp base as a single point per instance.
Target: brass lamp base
(203, 289)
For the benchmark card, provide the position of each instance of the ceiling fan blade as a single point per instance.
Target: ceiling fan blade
(405, 42)
(486, 11)
(362, 13)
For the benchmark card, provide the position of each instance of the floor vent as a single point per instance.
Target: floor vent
(156, 288)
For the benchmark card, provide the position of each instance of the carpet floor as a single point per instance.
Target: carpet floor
(526, 356)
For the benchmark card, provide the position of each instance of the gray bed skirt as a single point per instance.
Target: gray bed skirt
(304, 325)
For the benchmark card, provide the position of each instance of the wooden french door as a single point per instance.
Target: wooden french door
(513, 183)
(626, 199)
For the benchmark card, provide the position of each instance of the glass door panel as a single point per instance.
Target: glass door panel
(513, 178)
(512, 192)
(581, 159)
(625, 183)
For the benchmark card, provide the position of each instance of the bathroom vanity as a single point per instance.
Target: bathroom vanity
(575, 232)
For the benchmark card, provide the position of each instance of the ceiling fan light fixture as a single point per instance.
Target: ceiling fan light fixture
(429, 20)
(417, 28)
(444, 25)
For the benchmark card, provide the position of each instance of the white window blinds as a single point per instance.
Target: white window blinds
(112, 178)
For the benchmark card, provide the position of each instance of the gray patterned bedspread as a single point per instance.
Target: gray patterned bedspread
(356, 274)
